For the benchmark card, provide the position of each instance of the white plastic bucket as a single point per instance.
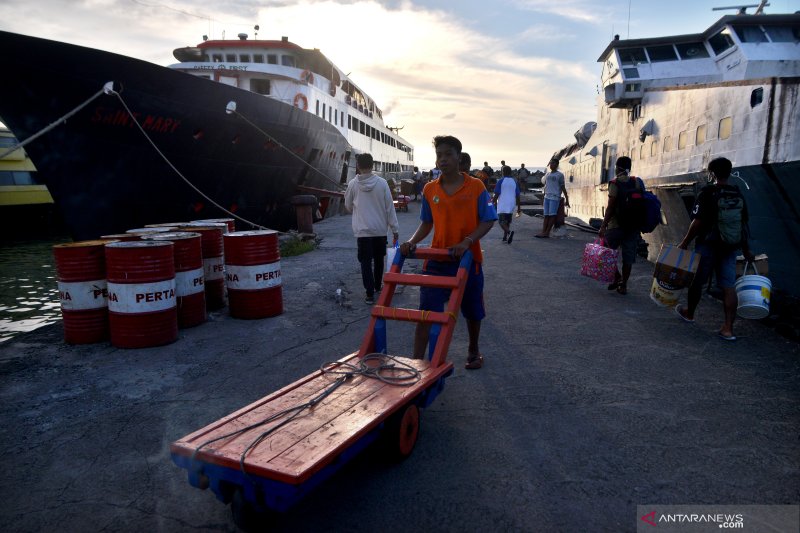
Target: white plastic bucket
(754, 292)
(664, 294)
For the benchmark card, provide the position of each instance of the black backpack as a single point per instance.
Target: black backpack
(630, 207)
(730, 205)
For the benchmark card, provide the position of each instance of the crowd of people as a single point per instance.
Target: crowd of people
(460, 208)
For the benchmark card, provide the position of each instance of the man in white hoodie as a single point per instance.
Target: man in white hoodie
(369, 199)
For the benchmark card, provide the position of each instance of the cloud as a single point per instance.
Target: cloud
(404, 56)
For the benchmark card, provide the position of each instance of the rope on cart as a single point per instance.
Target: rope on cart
(389, 370)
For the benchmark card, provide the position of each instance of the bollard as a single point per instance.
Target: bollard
(304, 205)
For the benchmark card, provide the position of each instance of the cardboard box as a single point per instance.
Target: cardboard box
(761, 262)
(676, 267)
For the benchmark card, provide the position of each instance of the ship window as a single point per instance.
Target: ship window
(259, 86)
(632, 56)
(661, 53)
(721, 41)
(216, 58)
(725, 128)
(750, 34)
(682, 138)
(244, 58)
(287, 61)
(330, 114)
(756, 97)
(16, 177)
(230, 58)
(317, 111)
(783, 34)
(336, 117)
(691, 50)
(323, 110)
(667, 144)
(258, 58)
(653, 148)
(362, 128)
(272, 59)
(630, 72)
(633, 87)
(700, 135)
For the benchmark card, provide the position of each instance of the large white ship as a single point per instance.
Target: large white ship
(674, 103)
(237, 126)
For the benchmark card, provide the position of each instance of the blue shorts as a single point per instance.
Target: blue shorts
(722, 262)
(550, 206)
(434, 298)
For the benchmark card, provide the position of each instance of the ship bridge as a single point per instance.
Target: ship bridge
(736, 47)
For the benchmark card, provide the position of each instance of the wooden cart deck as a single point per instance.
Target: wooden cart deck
(257, 463)
(299, 449)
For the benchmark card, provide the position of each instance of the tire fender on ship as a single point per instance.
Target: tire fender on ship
(301, 101)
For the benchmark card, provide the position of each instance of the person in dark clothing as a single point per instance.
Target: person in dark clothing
(719, 228)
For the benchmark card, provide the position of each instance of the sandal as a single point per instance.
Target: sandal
(474, 362)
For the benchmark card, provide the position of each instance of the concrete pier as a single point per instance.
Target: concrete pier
(589, 404)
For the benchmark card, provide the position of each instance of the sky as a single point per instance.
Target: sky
(512, 79)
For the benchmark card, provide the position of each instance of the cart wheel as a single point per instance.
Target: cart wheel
(402, 431)
(245, 515)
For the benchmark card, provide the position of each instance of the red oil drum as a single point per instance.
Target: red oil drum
(231, 223)
(213, 261)
(166, 225)
(82, 290)
(147, 231)
(120, 237)
(253, 274)
(142, 307)
(189, 288)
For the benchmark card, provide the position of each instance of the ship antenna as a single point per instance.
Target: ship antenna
(255, 31)
(743, 8)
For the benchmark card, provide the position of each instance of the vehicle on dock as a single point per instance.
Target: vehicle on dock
(672, 104)
(236, 126)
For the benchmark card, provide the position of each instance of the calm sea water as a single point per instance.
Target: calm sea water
(28, 289)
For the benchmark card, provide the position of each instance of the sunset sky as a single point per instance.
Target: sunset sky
(513, 79)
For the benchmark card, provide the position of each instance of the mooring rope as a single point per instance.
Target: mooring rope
(53, 124)
(110, 90)
(232, 110)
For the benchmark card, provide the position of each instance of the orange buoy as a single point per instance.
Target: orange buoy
(213, 261)
(142, 308)
(82, 290)
(253, 274)
(189, 287)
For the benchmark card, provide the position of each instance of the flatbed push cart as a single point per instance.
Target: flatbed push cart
(271, 453)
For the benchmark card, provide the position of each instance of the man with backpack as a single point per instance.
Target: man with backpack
(623, 220)
(719, 224)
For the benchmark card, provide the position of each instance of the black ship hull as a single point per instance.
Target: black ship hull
(106, 176)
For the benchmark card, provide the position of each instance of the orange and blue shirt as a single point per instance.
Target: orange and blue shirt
(456, 216)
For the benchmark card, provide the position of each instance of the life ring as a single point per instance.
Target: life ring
(307, 76)
(301, 101)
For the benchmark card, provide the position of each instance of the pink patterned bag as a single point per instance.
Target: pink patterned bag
(599, 262)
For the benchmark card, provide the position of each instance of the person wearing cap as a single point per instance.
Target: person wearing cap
(553, 188)
(616, 236)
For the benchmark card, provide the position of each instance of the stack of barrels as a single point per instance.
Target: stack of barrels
(138, 288)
